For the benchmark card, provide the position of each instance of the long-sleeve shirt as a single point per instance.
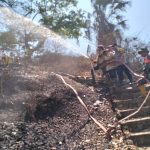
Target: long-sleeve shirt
(110, 59)
(146, 68)
(99, 59)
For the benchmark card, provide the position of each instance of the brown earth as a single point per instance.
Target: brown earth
(38, 112)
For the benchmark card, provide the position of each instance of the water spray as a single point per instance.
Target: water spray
(35, 28)
(47, 33)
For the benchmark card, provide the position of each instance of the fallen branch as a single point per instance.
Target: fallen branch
(131, 115)
(82, 103)
(1, 83)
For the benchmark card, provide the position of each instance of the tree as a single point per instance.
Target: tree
(8, 40)
(60, 16)
(31, 42)
(109, 19)
(29, 36)
(132, 45)
(22, 38)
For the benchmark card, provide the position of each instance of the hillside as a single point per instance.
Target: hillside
(39, 112)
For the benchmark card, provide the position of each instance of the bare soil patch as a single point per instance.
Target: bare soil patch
(45, 114)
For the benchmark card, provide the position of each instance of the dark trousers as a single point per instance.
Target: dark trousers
(112, 74)
(97, 67)
(123, 69)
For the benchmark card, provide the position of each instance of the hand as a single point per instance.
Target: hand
(94, 61)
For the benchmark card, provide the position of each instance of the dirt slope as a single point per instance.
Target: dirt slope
(38, 112)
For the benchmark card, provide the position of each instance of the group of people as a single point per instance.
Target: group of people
(6, 60)
(111, 61)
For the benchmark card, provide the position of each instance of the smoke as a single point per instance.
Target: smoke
(18, 22)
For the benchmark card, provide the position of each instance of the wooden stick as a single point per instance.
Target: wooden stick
(131, 115)
(1, 83)
(82, 103)
(1, 87)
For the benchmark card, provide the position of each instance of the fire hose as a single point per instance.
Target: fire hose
(100, 124)
(135, 74)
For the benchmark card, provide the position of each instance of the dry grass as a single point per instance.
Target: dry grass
(63, 63)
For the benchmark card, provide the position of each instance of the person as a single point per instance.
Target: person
(4, 59)
(146, 70)
(121, 68)
(106, 62)
(110, 64)
(100, 59)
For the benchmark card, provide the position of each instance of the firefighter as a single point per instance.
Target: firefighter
(100, 59)
(110, 64)
(121, 68)
(146, 70)
(106, 62)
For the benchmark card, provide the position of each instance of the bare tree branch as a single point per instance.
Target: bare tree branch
(35, 15)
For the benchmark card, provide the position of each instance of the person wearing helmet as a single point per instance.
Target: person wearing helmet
(100, 59)
(121, 68)
(110, 64)
(146, 70)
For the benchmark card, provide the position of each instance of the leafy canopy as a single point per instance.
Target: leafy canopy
(7, 40)
(109, 19)
(62, 17)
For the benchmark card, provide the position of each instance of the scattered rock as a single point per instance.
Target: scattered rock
(54, 117)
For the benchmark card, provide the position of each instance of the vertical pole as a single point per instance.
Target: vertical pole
(1, 84)
(93, 74)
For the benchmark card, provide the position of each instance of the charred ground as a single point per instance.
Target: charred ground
(38, 111)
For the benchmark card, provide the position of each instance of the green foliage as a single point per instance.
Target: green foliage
(21, 39)
(132, 45)
(10, 3)
(109, 20)
(30, 42)
(60, 16)
(65, 24)
(7, 40)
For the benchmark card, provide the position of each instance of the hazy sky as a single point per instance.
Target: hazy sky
(137, 16)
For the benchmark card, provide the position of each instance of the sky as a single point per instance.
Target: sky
(138, 21)
(137, 16)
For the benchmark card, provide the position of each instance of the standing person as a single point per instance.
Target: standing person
(100, 59)
(144, 53)
(4, 59)
(110, 63)
(121, 68)
(146, 70)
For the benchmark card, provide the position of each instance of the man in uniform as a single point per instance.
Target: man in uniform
(146, 70)
(100, 59)
(121, 68)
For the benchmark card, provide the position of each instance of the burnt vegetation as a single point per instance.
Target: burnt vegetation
(38, 111)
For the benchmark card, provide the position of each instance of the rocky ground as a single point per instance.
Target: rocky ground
(39, 112)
